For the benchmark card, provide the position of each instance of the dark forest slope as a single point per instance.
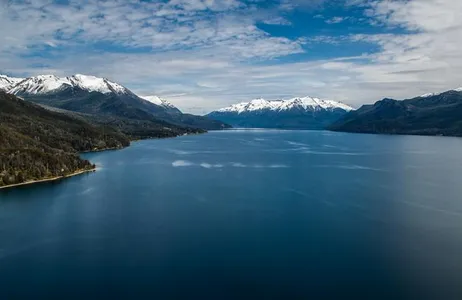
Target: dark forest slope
(439, 114)
(36, 143)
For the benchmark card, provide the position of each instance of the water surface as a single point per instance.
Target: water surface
(255, 214)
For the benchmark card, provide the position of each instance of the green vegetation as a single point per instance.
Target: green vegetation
(37, 144)
(434, 115)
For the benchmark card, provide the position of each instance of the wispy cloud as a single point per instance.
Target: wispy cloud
(160, 26)
(336, 20)
(205, 54)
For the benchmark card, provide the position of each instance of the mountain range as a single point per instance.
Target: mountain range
(296, 113)
(429, 114)
(101, 99)
(103, 102)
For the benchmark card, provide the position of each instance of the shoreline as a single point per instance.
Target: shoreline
(105, 149)
(80, 172)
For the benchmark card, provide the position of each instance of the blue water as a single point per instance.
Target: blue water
(244, 215)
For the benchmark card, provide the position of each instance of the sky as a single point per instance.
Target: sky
(206, 54)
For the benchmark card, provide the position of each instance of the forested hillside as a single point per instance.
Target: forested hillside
(36, 143)
(434, 114)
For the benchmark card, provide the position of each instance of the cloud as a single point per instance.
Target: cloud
(203, 54)
(174, 25)
(277, 21)
(336, 20)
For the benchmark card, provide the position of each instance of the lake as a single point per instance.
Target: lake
(244, 214)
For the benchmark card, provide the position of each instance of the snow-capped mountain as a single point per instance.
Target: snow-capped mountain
(7, 82)
(100, 97)
(159, 101)
(301, 113)
(436, 94)
(51, 84)
(45, 84)
(305, 103)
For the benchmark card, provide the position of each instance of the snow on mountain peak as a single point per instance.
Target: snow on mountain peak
(96, 84)
(427, 95)
(436, 94)
(8, 78)
(304, 103)
(158, 101)
(7, 82)
(239, 107)
(260, 103)
(43, 84)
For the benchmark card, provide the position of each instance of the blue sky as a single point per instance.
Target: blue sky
(206, 54)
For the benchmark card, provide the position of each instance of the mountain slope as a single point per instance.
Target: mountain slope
(101, 97)
(7, 83)
(162, 102)
(296, 113)
(85, 94)
(37, 143)
(430, 114)
(44, 84)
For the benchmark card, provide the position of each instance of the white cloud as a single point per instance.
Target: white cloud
(336, 20)
(201, 61)
(160, 26)
(277, 21)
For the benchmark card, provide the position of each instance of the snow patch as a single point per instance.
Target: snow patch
(427, 95)
(158, 101)
(7, 82)
(436, 94)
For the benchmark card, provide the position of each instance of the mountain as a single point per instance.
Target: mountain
(99, 97)
(296, 113)
(46, 84)
(429, 114)
(37, 143)
(7, 83)
(161, 102)
(186, 119)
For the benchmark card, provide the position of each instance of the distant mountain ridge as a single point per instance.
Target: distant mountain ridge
(100, 97)
(436, 94)
(306, 103)
(44, 84)
(429, 114)
(295, 113)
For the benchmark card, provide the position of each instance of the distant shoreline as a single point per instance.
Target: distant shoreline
(104, 149)
(77, 172)
(80, 172)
